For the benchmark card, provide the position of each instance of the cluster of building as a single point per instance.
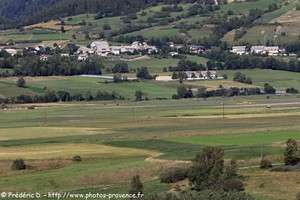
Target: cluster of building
(192, 49)
(202, 75)
(102, 48)
(259, 50)
(194, 75)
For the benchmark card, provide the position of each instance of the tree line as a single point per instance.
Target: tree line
(186, 92)
(32, 65)
(51, 96)
(220, 59)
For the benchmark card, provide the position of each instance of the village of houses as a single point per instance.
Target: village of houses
(104, 49)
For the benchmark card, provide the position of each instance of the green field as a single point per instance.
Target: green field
(242, 7)
(119, 140)
(154, 64)
(240, 139)
(80, 85)
(277, 13)
(154, 89)
(32, 35)
(279, 79)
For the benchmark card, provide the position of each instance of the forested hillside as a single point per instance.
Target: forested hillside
(18, 11)
(23, 12)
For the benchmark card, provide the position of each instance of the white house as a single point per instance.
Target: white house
(85, 50)
(196, 49)
(258, 50)
(239, 50)
(193, 75)
(12, 52)
(44, 57)
(101, 47)
(64, 55)
(82, 57)
(115, 50)
(202, 75)
(143, 46)
(127, 49)
(272, 51)
(174, 54)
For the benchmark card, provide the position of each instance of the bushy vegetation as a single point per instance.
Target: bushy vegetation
(62, 96)
(292, 153)
(18, 164)
(56, 65)
(143, 73)
(203, 195)
(242, 78)
(136, 187)
(221, 59)
(265, 163)
(292, 90)
(209, 173)
(184, 92)
(187, 65)
(21, 82)
(77, 158)
(269, 89)
(209, 177)
(121, 67)
(173, 175)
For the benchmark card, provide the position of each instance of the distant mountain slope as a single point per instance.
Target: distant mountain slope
(16, 12)
(23, 12)
(14, 9)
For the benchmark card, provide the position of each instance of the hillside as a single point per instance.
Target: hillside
(11, 11)
(15, 13)
(123, 21)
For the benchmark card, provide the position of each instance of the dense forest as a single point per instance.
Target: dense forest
(14, 13)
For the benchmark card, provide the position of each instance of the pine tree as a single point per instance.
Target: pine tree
(291, 154)
(136, 187)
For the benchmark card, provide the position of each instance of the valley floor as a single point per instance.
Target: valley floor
(117, 140)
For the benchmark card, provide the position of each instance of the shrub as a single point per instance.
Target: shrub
(173, 175)
(3, 106)
(265, 163)
(268, 89)
(291, 154)
(203, 195)
(143, 73)
(287, 168)
(136, 185)
(292, 91)
(18, 164)
(298, 196)
(21, 82)
(233, 185)
(77, 158)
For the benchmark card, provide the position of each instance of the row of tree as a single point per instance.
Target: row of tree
(221, 59)
(187, 65)
(184, 92)
(62, 96)
(54, 65)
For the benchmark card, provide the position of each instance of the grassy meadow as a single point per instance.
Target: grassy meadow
(154, 64)
(154, 89)
(119, 140)
(80, 85)
(279, 79)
